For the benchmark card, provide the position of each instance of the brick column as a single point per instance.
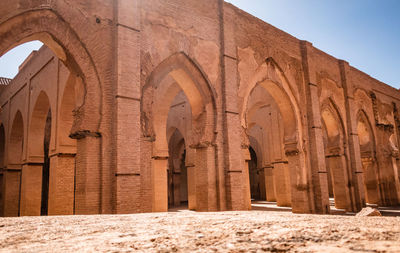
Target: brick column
(61, 184)
(298, 184)
(31, 189)
(246, 179)
(191, 178)
(127, 107)
(337, 164)
(205, 173)
(319, 179)
(234, 162)
(11, 191)
(88, 173)
(356, 172)
(160, 184)
(281, 177)
(269, 183)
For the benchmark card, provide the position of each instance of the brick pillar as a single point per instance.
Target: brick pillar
(191, 178)
(356, 176)
(298, 180)
(176, 179)
(282, 184)
(337, 167)
(269, 183)
(234, 162)
(127, 174)
(205, 173)
(319, 179)
(160, 184)
(371, 181)
(88, 174)
(61, 184)
(246, 179)
(389, 182)
(11, 191)
(31, 189)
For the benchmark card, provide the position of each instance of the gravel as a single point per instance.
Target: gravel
(186, 231)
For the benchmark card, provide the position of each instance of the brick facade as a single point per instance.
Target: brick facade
(150, 104)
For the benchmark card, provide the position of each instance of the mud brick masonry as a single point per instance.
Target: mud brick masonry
(138, 106)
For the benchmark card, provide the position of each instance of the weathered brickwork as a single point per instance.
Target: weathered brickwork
(152, 104)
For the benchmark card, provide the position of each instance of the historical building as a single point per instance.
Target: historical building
(138, 106)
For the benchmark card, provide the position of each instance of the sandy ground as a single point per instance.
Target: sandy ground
(187, 231)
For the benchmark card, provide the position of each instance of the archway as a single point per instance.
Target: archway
(270, 78)
(48, 26)
(12, 175)
(35, 172)
(368, 157)
(266, 135)
(335, 157)
(177, 172)
(176, 75)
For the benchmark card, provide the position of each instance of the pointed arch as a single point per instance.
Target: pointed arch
(271, 77)
(49, 27)
(365, 134)
(335, 155)
(16, 141)
(333, 124)
(37, 126)
(12, 176)
(178, 72)
(175, 74)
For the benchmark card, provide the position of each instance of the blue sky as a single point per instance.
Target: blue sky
(366, 33)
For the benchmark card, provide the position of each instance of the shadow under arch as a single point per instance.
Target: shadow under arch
(50, 28)
(271, 77)
(175, 74)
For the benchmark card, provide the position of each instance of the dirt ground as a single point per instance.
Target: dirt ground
(186, 231)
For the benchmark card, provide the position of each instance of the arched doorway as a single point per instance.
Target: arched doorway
(295, 187)
(178, 75)
(177, 172)
(335, 157)
(39, 22)
(266, 135)
(35, 172)
(368, 158)
(12, 176)
(180, 183)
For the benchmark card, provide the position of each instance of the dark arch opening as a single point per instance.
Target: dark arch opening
(46, 166)
(255, 177)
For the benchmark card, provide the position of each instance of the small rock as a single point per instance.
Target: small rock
(368, 211)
